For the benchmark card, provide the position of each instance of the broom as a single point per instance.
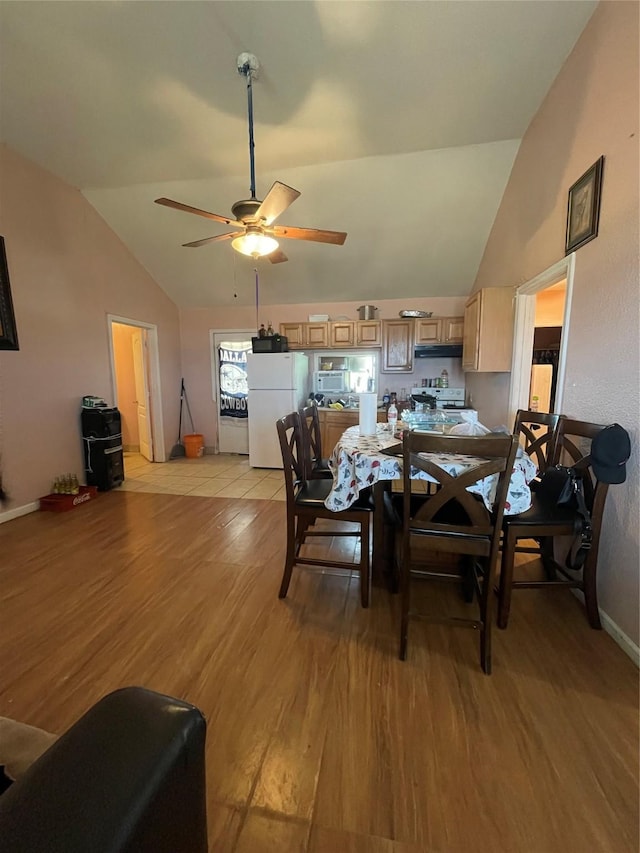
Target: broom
(178, 448)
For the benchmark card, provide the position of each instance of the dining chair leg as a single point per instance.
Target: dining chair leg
(289, 559)
(591, 592)
(365, 563)
(506, 580)
(405, 595)
(468, 583)
(486, 613)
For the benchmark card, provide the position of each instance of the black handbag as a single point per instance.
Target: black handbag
(562, 486)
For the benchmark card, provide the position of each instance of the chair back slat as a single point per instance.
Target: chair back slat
(289, 436)
(537, 433)
(311, 438)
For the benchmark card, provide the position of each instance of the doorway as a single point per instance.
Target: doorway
(135, 377)
(230, 389)
(533, 310)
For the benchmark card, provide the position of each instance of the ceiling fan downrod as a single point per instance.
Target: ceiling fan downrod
(249, 66)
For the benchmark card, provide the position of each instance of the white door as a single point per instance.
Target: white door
(230, 388)
(139, 343)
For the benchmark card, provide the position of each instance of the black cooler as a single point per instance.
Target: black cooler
(102, 446)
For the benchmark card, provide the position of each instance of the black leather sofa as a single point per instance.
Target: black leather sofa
(128, 776)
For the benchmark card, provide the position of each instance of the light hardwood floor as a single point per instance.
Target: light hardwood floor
(319, 738)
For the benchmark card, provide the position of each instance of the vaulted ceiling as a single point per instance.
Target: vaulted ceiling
(398, 121)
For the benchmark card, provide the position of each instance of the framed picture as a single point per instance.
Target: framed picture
(8, 333)
(583, 211)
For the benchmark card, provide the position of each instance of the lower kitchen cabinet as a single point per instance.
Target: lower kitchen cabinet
(334, 422)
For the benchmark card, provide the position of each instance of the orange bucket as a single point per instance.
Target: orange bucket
(193, 445)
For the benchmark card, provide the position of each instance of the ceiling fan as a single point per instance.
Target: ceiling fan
(254, 218)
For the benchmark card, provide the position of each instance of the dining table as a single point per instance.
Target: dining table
(360, 462)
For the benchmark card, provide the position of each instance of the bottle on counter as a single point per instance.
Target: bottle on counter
(444, 379)
(535, 401)
(386, 397)
(392, 417)
(262, 332)
(270, 332)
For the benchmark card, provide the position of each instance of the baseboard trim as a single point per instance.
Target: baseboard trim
(615, 632)
(626, 643)
(10, 514)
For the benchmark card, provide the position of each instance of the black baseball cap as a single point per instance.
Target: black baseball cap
(610, 450)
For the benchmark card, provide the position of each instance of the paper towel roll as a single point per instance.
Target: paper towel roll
(368, 413)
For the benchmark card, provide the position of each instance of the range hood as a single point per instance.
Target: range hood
(438, 351)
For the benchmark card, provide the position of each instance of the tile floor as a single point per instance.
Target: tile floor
(224, 475)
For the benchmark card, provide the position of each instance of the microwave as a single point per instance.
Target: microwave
(270, 343)
(331, 381)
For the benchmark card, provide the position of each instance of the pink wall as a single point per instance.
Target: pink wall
(591, 109)
(196, 324)
(126, 384)
(68, 270)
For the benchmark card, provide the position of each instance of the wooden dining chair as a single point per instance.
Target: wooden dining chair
(452, 521)
(305, 505)
(536, 432)
(546, 523)
(311, 433)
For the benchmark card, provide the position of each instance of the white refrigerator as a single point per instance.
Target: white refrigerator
(278, 384)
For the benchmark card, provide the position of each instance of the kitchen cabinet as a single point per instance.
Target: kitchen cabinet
(368, 333)
(342, 334)
(306, 335)
(334, 422)
(439, 330)
(398, 342)
(488, 331)
(336, 334)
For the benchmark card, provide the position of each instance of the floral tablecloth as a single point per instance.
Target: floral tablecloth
(357, 463)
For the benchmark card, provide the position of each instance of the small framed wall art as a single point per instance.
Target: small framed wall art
(8, 333)
(583, 210)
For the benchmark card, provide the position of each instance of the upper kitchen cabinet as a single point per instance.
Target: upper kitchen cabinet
(342, 333)
(368, 333)
(306, 335)
(488, 331)
(439, 330)
(398, 342)
(337, 334)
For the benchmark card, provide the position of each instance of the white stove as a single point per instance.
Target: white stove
(451, 401)
(446, 398)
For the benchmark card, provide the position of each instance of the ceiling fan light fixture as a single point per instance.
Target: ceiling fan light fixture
(255, 244)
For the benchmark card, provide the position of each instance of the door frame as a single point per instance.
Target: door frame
(153, 370)
(524, 325)
(215, 370)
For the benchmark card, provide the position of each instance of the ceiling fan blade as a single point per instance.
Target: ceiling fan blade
(276, 201)
(178, 205)
(277, 257)
(318, 236)
(206, 240)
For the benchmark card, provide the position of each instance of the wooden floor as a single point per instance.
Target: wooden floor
(319, 738)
